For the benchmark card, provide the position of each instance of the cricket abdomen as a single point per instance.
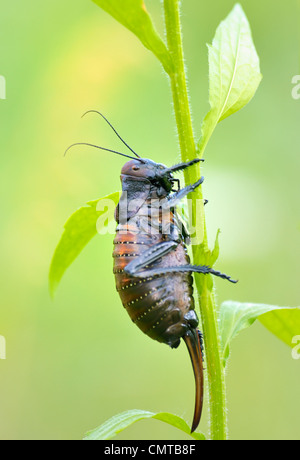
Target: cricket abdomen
(161, 306)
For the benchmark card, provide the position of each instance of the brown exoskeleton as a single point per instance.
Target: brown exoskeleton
(151, 265)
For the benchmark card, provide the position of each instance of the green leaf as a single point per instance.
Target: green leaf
(81, 227)
(119, 422)
(284, 322)
(234, 71)
(134, 16)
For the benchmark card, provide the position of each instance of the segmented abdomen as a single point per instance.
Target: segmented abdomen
(161, 306)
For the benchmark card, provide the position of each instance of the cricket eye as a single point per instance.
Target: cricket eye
(135, 168)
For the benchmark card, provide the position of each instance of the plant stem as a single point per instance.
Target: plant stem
(201, 253)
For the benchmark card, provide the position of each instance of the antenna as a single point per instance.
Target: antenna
(99, 113)
(102, 148)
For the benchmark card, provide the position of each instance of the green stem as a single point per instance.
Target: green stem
(201, 253)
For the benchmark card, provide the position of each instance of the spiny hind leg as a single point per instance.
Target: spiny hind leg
(185, 269)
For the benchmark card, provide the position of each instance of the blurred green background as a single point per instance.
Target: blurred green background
(74, 362)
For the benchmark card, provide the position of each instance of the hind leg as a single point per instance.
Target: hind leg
(184, 269)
